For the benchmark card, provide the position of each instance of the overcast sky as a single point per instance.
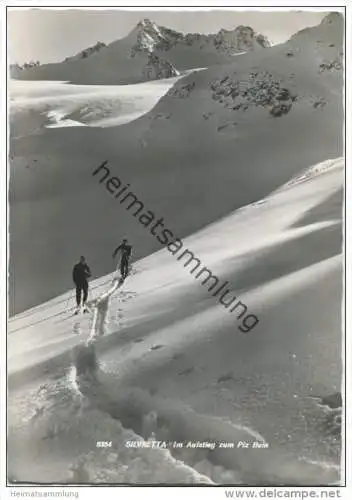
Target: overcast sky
(51, 35)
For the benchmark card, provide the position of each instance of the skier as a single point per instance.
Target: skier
(80, 275)
(126, 251)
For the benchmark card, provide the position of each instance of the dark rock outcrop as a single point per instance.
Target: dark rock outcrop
(336, 64)
(258, 89)
(241, 39)
(157, 68)
(280, 109)
(182, 91)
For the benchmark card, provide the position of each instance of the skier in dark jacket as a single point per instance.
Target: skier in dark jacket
(80, 275)
(126, 251)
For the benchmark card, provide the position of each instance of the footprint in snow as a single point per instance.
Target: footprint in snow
(155, 347)
(225, 377)
(77, 329)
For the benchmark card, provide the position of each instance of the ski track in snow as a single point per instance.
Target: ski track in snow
(96, 363)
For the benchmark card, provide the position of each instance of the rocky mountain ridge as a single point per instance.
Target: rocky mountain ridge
(151, 37)
(148, 52)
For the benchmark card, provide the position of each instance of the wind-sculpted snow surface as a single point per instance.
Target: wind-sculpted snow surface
(257, 195)
(172, 367)
(167, 422)
(192, 158)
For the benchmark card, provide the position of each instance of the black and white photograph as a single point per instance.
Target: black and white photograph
(176, 248)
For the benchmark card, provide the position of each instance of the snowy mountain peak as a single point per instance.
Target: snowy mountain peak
(147, 24)
(148, 36)
(148, 27)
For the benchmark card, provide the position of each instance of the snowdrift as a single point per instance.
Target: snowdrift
(169, 363)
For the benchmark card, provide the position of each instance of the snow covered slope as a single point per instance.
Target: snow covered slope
(214, 143)
(174, 364)
(35, 105)
(148, 52)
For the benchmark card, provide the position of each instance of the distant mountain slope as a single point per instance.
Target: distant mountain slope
(304, 74)
(148, 52)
